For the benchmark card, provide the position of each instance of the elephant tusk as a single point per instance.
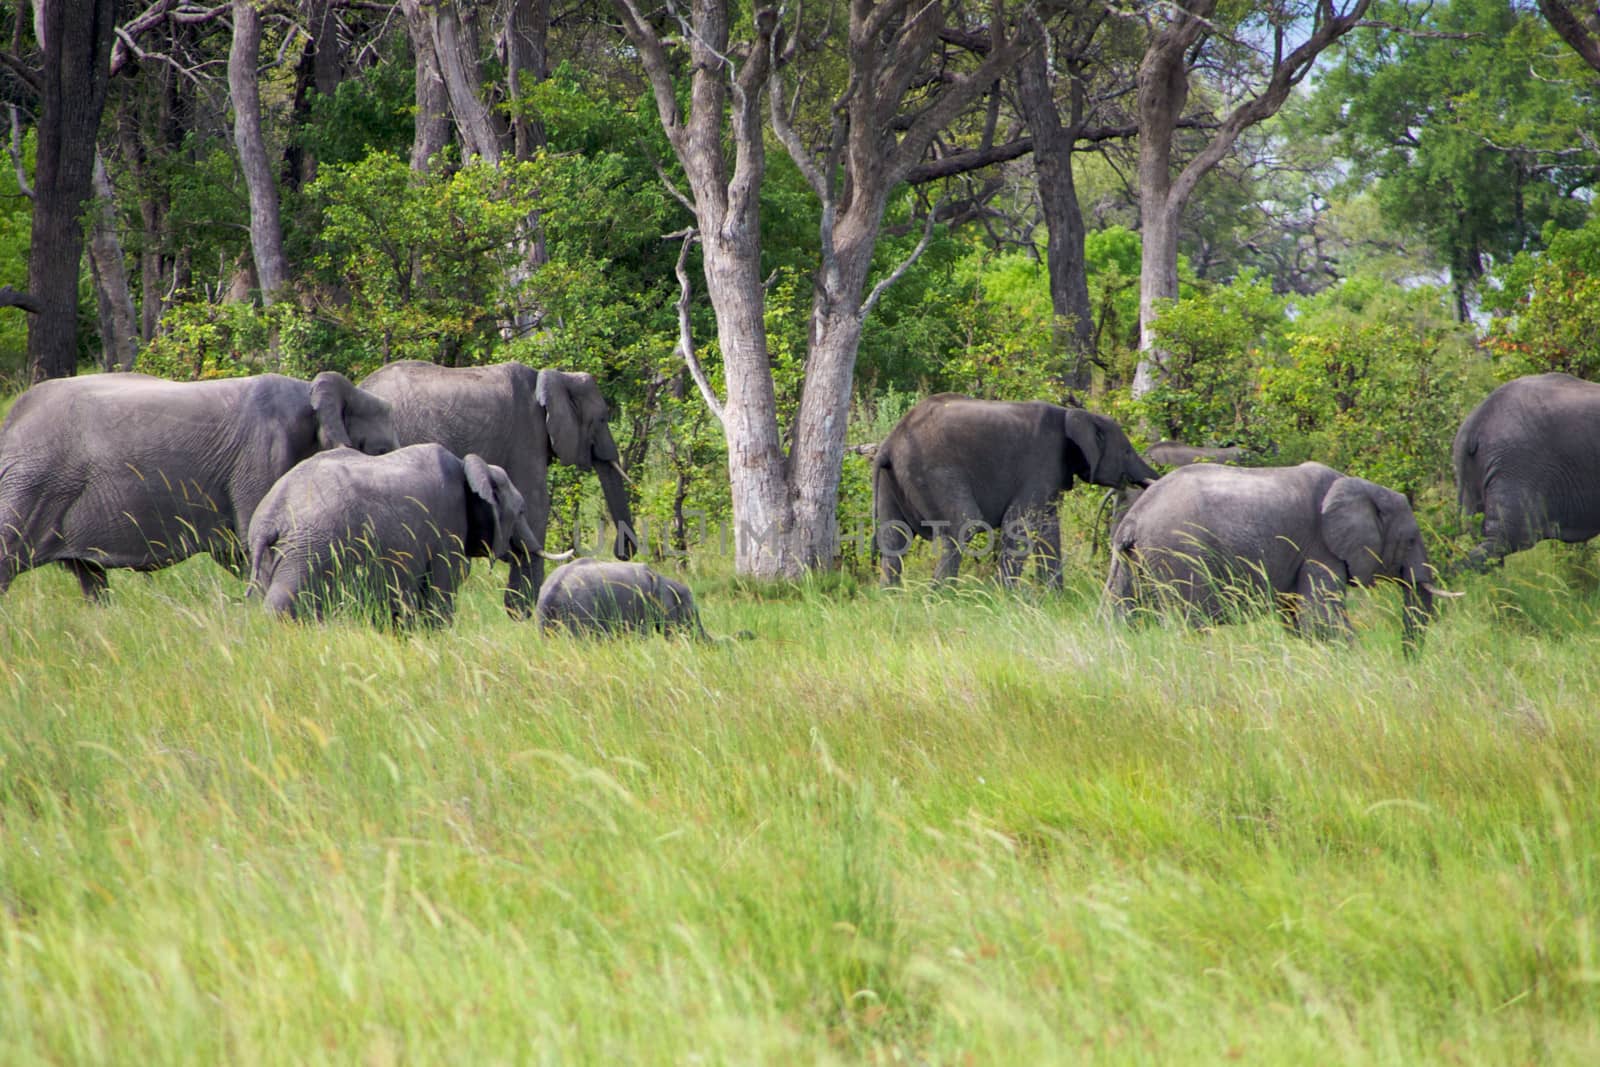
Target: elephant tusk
(554, 557)
(622, 473)
(1436, 591)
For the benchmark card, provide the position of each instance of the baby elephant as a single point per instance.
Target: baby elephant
(606, 598)
(1207, 541)
(393, 532)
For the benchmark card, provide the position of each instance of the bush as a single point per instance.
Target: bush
(1549, 305)
(1215, 342)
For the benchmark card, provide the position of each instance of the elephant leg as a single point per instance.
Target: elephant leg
(437, 601)
(91, 578)
(1318, 608)
(1047, 563)
(1015, 542)
(962, 520)
(889, 561)
(13, 561)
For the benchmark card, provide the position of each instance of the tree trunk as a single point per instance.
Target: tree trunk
(433, 102)
(455, 50)
(119, 333)
(318, 71)
(1163, 91)
(763, 518)
(266, 228)
(1063, 217)
(76, 44)
(527, 63)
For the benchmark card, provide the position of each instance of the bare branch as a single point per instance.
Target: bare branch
(16, 153)
(905, 265)
(967, 160)
(14, 298)
(685, 334)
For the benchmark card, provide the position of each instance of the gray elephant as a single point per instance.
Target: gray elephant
(591, 596)
(1528, 459)
(396, 531)
(1211, 542)
(126, 470)
(520, 419)
(955, 466)
(1178, 454)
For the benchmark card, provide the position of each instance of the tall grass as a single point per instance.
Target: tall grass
(954, 825)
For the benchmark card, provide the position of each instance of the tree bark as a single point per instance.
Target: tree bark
(527, 34)
(1063, 217)
(266, 226)
(433, 126)
(119, 331)
(320, 64)
(76, 39)
(455, 50)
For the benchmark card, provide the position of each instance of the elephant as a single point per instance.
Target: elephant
(399, 530)
(954, 466)
(126, 470)
(520, 419)
(1178, 454)
(605, 598)
(1208, 541)
(1528, 459)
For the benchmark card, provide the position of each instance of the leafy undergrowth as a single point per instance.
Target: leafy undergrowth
(954, 825)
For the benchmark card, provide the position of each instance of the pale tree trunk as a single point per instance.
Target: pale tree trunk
(1053, 145)
(119, 331)
(266, 227)
(726, 207)
(1163, 91)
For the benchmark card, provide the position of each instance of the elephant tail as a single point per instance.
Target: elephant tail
(1118, 598)
(887, 503)
(263, 562)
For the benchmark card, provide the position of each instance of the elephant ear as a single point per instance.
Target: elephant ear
(1353, 525)
(1084, 444)
(481, 482)
(561, 420)
(330, 393)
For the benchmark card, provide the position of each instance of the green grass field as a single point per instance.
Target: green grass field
(925, 826)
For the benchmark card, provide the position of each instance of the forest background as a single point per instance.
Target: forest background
(1388, 209)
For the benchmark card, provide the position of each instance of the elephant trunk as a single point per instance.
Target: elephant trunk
(1141, 473)
(527, 571)
(616, 494)
(1419, 605)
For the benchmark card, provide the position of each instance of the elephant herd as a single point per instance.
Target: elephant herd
(1208, 542)
(325, 490)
